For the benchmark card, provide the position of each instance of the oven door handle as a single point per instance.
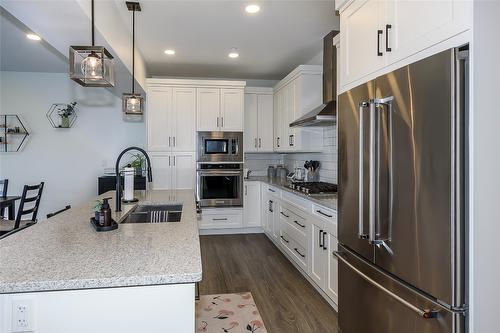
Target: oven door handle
(222, 173)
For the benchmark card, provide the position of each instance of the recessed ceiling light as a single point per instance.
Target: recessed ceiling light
(33, 37)
(169, 52)
(233, 53)
(252, 9)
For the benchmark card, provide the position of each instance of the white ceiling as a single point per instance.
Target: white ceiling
(19, 54)
(271, 43)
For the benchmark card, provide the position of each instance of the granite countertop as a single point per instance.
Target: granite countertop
(66, 253)
(329, 201)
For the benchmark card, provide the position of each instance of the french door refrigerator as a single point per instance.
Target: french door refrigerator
(402, 160)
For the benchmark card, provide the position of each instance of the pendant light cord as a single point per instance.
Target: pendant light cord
(92, 10)
(133, 52)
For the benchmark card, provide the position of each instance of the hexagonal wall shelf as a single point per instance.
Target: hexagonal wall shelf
(13, 133)
(62, 115)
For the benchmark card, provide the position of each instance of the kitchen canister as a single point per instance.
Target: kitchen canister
(271, 172)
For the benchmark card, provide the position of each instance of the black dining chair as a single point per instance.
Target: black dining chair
(4, 184)
(9, 225)
(49, 215)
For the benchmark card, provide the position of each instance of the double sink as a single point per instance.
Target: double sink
(154, 214)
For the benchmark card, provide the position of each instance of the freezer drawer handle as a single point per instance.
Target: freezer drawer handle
(424, 313)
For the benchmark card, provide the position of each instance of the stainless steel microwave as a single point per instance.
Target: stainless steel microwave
(216, 147)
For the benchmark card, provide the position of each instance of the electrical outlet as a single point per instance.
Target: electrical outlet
(23, 315)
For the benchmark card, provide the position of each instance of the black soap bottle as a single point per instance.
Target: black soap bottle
(106, 219)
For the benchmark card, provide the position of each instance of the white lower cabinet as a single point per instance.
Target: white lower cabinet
(251, 204)
(306, 233)
(173, 170)
(221, 218)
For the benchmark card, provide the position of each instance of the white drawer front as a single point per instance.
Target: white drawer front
(295, 251)
(221, 221)
(327, 215)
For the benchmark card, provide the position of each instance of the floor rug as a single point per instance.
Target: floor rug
(228, 313)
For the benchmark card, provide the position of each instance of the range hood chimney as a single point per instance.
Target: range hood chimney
(325, 114)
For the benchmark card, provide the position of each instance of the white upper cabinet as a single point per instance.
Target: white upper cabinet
(376, 34)
(412, 26)
(208, 109)
(295, 95)
(231, 113)
(159, 108)
(183, 122)
(250, 134)
(361, 39)
(258, 133)
(265, 125)
(220, 109)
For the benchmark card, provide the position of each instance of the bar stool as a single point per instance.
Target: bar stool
(9, 225)
(4, 185)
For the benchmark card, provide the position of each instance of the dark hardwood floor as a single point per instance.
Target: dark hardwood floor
(285, 299)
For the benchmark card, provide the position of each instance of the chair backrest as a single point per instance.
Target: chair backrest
(25, 199)
(49, 215)
(4, 184)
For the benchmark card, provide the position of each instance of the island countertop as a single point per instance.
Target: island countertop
(66, 253)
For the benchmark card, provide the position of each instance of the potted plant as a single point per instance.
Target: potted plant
(137, 162)
(97, 209)
(65, 113)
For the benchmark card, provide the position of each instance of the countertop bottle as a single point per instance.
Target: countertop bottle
(106, 219)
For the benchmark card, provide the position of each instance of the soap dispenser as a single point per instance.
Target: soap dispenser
(106, 219)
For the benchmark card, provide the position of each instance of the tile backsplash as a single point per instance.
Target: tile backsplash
(258, 163)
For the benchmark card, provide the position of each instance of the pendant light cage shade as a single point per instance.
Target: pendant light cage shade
(91, 66)
(133, 104)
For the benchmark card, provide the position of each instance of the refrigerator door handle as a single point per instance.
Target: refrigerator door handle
(424, 313)
(361, 232)
(372, 232)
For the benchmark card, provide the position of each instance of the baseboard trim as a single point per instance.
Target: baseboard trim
(231, 231)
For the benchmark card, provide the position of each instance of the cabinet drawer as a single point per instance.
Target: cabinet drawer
(327, 215)
(295, 225)
(273, 191)
(294, 250)
(212, 220)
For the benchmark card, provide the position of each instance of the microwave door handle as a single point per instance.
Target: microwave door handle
(361, 232)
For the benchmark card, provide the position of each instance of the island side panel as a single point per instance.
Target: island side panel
(166, 308)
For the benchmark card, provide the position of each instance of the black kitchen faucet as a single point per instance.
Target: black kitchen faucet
(118, 198)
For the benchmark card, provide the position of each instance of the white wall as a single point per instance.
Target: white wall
(485, 166)
(67, 160)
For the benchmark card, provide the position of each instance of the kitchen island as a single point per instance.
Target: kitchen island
(139, 277)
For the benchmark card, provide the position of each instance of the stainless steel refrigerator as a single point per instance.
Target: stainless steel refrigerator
(402, 199)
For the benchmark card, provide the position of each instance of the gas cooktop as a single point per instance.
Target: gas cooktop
(314, 188)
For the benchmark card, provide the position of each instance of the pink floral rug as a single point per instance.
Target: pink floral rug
(228, 313)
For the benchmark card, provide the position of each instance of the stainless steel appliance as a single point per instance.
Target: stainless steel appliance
(216, 147)
(314, 188)
(325, 114)
(219, 184)
(402, 199)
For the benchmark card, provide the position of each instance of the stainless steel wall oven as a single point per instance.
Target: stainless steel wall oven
(219, 184)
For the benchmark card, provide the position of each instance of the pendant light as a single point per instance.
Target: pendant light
(133, 104)
(91, 66)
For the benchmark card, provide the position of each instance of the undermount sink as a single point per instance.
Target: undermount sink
(155, 214)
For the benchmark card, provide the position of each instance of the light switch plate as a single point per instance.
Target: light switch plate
(23, 315)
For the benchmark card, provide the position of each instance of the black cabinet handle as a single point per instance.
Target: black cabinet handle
(302, 225)
(283, 238)
(222, 219)
(270, 189)
(379, 33)
(284, 215)
(387, 27)
(300, 254)
(320, 238)
(324, 241)
(324, 214)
